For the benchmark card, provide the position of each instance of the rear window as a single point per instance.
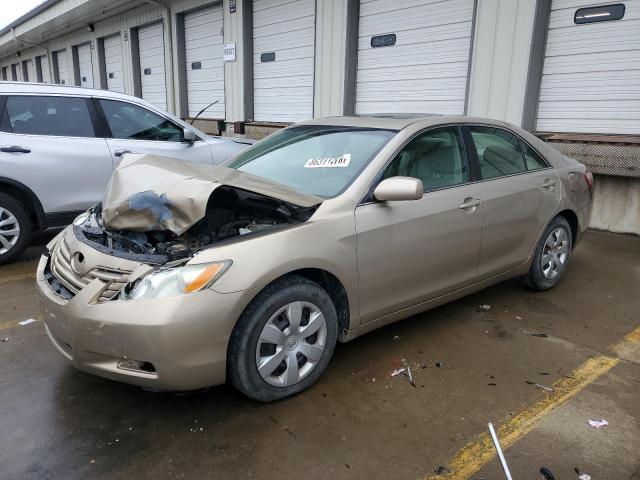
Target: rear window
(41, 115)
(320, 160)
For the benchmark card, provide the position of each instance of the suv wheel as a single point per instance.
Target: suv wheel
(15, 228)
(551, 256)
(283, 340)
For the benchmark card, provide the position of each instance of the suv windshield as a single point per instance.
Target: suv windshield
(318, 160)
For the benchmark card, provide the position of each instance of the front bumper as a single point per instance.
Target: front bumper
(180, 343)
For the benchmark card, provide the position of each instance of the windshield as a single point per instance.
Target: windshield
(318, 160)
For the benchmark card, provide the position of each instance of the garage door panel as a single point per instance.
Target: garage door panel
(44, 65)
(63, 67)
(204, 47)
(401, 19)
(591, 73)
(284, 87)
(113, 63)
(151, 45)
(426, 68)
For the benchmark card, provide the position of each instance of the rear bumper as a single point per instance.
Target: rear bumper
(183, 338)
(584, 219)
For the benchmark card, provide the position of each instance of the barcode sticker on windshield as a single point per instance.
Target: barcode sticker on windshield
(329, 162)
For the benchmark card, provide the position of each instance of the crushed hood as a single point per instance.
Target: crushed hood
(148, 192)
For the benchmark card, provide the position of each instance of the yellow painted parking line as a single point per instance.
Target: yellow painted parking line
(481, 451)
(9, 325)
(15, 278)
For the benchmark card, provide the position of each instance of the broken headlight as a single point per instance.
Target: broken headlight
(176, 281)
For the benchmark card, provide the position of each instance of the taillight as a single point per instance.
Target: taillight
(588, 177)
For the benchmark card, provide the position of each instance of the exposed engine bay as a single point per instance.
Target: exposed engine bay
(230, 213)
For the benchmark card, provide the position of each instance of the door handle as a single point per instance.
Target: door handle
(548, 184)
(14, 149)
(470, 203)
(119, 153)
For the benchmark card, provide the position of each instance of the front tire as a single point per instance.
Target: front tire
(551, 256)
(15, 229)
(283, 340)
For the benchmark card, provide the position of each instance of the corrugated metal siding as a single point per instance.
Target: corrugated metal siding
(283, 89)
(85, 64)
(204, 49)
(113, 63)
(591, 75)
(500, 59)
(152, 65)
(426, 70)
(63, 67)
(331, 30)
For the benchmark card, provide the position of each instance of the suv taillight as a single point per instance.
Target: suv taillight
(588, 177)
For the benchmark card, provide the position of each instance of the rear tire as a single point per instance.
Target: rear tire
(551, 256)
(270, 357)
(15, 228)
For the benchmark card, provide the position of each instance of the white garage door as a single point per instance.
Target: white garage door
(413, 57)
(283, 63)
(44, 67)
(113, 63)
(205, 61)
(63, 67)
(152, 69)
(31, 71)
(591, 75)
(85, 65)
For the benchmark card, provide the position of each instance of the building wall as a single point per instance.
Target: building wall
(500, 59)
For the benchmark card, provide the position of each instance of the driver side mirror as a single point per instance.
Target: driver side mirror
(399, 189)
(188, 135)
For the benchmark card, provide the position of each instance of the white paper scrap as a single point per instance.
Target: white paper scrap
(26, 322)
(598, 423)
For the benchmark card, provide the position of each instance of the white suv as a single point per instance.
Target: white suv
(59, 145)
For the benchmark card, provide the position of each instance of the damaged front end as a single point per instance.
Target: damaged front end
(230, 213)
(157, 214)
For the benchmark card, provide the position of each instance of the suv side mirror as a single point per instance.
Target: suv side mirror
(399, 189)
(188, 135)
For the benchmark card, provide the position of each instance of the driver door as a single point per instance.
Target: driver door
(412, 251)
(135, 129)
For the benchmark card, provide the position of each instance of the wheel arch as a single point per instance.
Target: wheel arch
(332, 285)
(24, 195)
(571, 217)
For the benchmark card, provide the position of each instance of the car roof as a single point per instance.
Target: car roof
(52, 88)
(401, 121)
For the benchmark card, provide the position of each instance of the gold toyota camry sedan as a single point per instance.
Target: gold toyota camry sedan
(188, 275)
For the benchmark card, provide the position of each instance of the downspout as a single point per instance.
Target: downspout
(31, 44)
(170, 81)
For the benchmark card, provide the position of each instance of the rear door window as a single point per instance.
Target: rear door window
(132, 122)
(42, 115)
(499, 152)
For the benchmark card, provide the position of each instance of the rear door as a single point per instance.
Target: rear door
(520, 192)
(412, 251)
(49, 144)
(136, 129)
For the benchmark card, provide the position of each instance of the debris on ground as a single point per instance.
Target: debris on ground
(519, 318)
(396, 337)
(405, 371)
(397, 371)
(4, 340)
(442, 470)
(584, 476)
(598, 423)
(546, 473)
(537, 334)
(26, 322)
(496, 444)
(483, 308)
(543, 387)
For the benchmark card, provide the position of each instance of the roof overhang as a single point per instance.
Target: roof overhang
(54, 18)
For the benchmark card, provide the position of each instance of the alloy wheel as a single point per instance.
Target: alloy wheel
(554, 253)
(9, 230)
(291, 344)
